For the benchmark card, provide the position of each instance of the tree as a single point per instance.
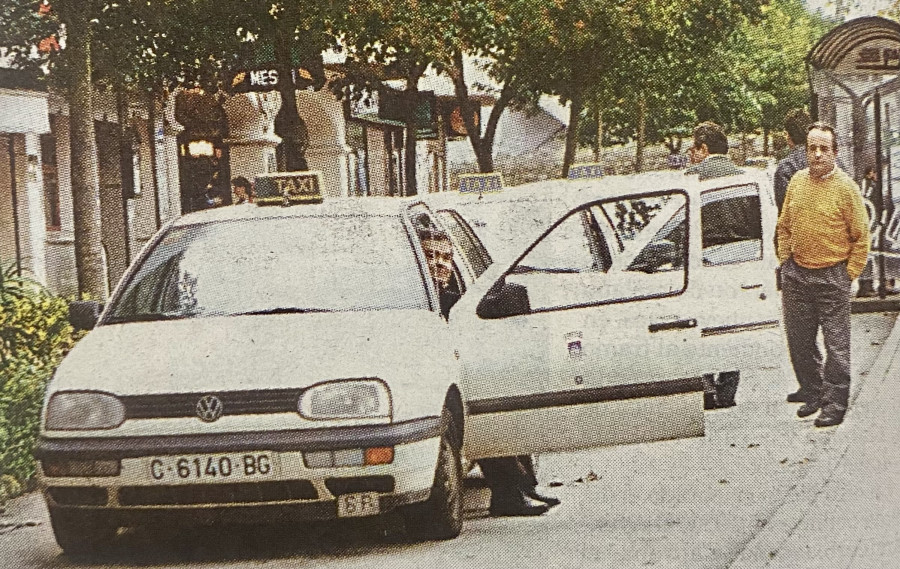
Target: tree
(403, 38)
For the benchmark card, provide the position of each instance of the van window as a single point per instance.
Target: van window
(731, 223)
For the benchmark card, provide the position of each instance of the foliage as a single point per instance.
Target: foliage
(34, 336)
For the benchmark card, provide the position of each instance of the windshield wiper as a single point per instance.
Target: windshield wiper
(145, 317)
(282, 310)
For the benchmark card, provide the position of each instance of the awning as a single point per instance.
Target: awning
(23, 111)
(868, 45)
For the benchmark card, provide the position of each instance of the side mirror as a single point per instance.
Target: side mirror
(504, 299)
(83, 314)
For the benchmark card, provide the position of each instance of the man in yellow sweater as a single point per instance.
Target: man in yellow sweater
(823, 245)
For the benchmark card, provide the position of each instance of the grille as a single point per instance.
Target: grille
(78, 495)
(249, 493)
(173, 405)
(338, 486)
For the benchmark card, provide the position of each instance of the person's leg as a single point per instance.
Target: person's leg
(504, 478)
(529, 481)
(834, 311)
(801, 325)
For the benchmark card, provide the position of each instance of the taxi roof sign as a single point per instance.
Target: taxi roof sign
(480, 183)
(289, 188)
(585, 170)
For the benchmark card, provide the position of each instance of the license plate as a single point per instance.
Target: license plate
(212, 467)
(359, 504)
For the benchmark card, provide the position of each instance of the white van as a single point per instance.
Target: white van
(632, 235)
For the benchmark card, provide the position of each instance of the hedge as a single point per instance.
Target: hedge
(34, 336)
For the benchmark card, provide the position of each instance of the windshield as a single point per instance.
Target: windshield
(265, 266)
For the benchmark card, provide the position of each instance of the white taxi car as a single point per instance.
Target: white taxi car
(293, 362)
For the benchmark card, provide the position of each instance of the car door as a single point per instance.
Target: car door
(560, 350)
(737, 273)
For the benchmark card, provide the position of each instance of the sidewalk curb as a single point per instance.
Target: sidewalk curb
(765, 545)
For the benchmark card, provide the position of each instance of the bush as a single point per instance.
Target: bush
(34, 336)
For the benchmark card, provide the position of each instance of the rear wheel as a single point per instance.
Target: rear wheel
(441, 516)
(81, 533)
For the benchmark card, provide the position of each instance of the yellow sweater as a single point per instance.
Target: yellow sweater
(824, 222)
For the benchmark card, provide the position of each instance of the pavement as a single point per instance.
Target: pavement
(844, 512)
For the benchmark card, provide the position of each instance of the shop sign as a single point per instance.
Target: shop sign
(877, 59)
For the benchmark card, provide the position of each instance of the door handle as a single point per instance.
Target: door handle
(673, 325)
(751, 286)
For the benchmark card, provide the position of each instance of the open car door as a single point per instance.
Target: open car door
(563, 348)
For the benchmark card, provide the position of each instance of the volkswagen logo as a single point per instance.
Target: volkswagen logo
(209, 408)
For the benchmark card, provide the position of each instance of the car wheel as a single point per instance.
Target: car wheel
(441, 516)
(81, 533)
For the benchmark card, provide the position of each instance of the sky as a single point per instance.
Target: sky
(857, 7)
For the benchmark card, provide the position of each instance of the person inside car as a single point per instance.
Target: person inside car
(511, 479)
(439, 253)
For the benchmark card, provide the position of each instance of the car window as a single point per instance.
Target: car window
(731, 223)
(666, 250)
(309, 264)
(566, 249)
(569, 267)
(466, 241)
(499, 225)
(629, 217)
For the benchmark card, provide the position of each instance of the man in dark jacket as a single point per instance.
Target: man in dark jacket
(796, 123)
(709, 157)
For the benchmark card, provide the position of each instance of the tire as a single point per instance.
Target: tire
(81, 533)
(441, 516)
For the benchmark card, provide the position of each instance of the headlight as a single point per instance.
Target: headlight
(346, 399)
(83, 411)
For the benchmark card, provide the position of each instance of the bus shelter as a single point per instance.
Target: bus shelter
(854, 75)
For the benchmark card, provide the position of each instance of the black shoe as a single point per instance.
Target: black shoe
(549, 500)
(797, 397)
(829, 419)
(522, 509)
(808, 409)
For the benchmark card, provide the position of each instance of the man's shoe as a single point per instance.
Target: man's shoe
(549, 500)
(522, 509)
(829, 419)
(808, 409)
(797, 397)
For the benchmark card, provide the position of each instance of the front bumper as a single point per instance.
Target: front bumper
(292, 491)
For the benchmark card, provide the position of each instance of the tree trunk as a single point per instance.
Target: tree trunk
(288, 123)
(411, 98)
(483, 152)
(766, 141)
(89, 265)
(572, 131)
(641, 135)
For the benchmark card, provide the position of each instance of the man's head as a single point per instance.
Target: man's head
(709, 138)
(821, 149)
(439, 254)
(796, 123)
(242, 189)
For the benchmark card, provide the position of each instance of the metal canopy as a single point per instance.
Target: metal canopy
(840, 42)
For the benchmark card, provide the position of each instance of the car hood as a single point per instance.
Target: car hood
(254, 352)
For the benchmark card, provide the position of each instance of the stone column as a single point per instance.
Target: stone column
(167, 161)
(328, 150)
(251, 125)
(33, 224)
